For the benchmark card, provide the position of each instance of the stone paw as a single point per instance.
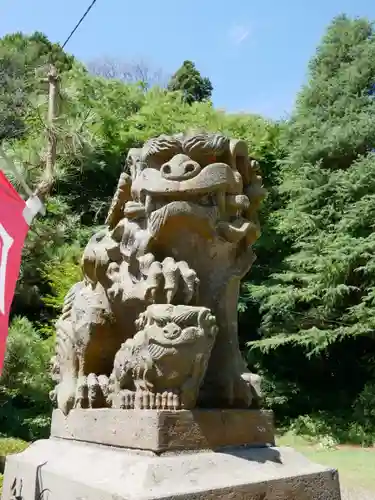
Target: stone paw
(145, 400)
(91, 391)
(168, 280)
(123, 400)
(167, 400)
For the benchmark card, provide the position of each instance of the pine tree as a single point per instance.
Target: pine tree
(319, 298)
(325, 287)
(23, 60)
(189, 81)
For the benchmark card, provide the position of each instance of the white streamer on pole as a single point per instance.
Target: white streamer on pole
(33, 205)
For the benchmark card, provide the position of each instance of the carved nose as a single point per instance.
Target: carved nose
(171, 331)
(180, 168)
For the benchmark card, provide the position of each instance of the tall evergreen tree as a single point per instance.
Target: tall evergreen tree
(190, 82)
(323, 292)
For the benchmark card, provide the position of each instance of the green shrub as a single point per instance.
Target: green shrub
(25, 383)
(331, 429)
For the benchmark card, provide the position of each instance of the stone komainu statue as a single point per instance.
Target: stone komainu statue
(153, 323)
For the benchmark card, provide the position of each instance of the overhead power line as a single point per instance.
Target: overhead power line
(79, 23)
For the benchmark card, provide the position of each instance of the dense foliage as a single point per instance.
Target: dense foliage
(318, 301)
(22, 60)
(306, 308)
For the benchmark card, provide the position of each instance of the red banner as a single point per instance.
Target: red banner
(13, 231)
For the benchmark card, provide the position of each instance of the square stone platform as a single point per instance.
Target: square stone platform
(165, 430)
(164, 455)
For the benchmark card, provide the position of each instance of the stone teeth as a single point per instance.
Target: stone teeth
(205, 199)
(209, 199)
(220, 198)
(149, 204)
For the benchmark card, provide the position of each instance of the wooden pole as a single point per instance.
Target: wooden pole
(47, 181)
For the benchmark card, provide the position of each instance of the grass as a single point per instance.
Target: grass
(356, 465)
(8, 446)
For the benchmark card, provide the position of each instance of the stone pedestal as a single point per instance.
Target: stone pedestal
(150, 454)
(163, 430)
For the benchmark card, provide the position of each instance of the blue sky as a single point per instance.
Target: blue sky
(255, 53)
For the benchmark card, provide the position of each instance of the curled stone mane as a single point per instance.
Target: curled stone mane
(206, 143)
(182, 318)
(192, 143)
(159, 145)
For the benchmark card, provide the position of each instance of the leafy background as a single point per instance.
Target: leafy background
(307, 308)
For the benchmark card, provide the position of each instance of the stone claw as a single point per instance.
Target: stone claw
(190, 281)
(167, 279)
(154, 280)
(104, 385)
(146, 400)
(170, 401)
(91, 391)
(171, 278)
(126, 400)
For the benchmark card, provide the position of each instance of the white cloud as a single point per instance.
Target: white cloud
(238, 33)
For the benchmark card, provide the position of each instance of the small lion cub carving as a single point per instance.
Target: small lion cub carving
(163, 365)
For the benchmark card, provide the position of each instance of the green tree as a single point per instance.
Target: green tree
(319, 302)
(22, 62)
(190, 82)
(12, 96)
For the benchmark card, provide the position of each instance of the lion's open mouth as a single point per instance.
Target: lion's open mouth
(210, 199)
(201, 213)
(209, 203)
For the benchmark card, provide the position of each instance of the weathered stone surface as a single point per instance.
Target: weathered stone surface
(160, 431)
(179, 231)
(66, 470)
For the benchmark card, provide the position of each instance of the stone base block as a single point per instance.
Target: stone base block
(66, 470)
(165, 430)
